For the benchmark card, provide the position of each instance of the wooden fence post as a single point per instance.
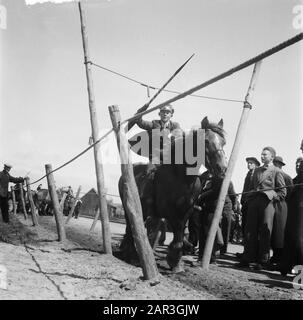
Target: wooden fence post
(132, 200)
(20, 186)
(231, 163)
(61, 203)
(54, 197)
(14, 201)
(72, 209)
(95, 132)
(31, 202)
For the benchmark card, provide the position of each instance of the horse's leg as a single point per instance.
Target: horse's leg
(127, 246)
(154, 230)
(174, 254)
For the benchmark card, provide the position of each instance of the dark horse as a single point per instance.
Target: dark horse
(175, 192)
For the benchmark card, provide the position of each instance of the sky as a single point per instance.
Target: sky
(44, 113)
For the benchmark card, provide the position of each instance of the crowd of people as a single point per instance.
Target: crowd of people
(271, 215)
(268, 201)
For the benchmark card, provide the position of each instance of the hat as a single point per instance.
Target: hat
(271, 150)
(299, 159)
(253, 159)
(279, 159)
(168, 107)
(8, 165)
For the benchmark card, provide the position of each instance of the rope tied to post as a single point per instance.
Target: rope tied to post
(247, 105)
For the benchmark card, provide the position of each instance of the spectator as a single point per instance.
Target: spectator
(252, 164)
(293, 244)
(277, 237)
(5, 178)
(268, 181)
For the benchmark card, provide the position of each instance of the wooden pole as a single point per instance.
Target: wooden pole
(20, 185)
(72, 209)
(14, 201)
(96, 218)
(231, 163)
(95, 131)
(31, 202)
(132, 201)
(54, 197)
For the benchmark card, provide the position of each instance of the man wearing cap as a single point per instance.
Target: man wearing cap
(252, 164)
(5, 178)
(162, 129)
(269, 183)
(277, 237)
(166, 128)
(164, 123)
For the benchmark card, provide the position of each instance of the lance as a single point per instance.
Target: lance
(145, 107)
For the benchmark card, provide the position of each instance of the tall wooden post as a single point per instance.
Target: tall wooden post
(231, 163)
(132, 200)
(72, 209)
(31, 202)
(20, 186)
(54, 197)
(95, 131)
(14, 201)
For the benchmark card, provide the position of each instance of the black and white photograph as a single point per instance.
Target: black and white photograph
(151, 150)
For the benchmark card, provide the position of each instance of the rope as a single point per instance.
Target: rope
(229, 194)
(75, 157)
(268, 189)
(223, 75)
(166, 90)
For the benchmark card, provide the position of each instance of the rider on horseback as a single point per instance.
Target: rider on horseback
(166, 128)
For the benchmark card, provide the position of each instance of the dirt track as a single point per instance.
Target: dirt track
(40, 268)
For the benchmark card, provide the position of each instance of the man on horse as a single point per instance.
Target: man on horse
(164, 129)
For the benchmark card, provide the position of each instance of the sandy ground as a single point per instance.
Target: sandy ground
(39, 267)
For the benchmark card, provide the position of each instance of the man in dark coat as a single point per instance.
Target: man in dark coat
(252, 164)
(269, 184)
(277, 237)
(166, 129)
(5, 178)
(293, 244)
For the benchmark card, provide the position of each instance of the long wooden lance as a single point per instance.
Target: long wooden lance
(145, 107)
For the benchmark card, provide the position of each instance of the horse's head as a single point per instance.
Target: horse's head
(215, 159)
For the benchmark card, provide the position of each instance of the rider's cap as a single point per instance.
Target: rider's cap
(168, 107)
